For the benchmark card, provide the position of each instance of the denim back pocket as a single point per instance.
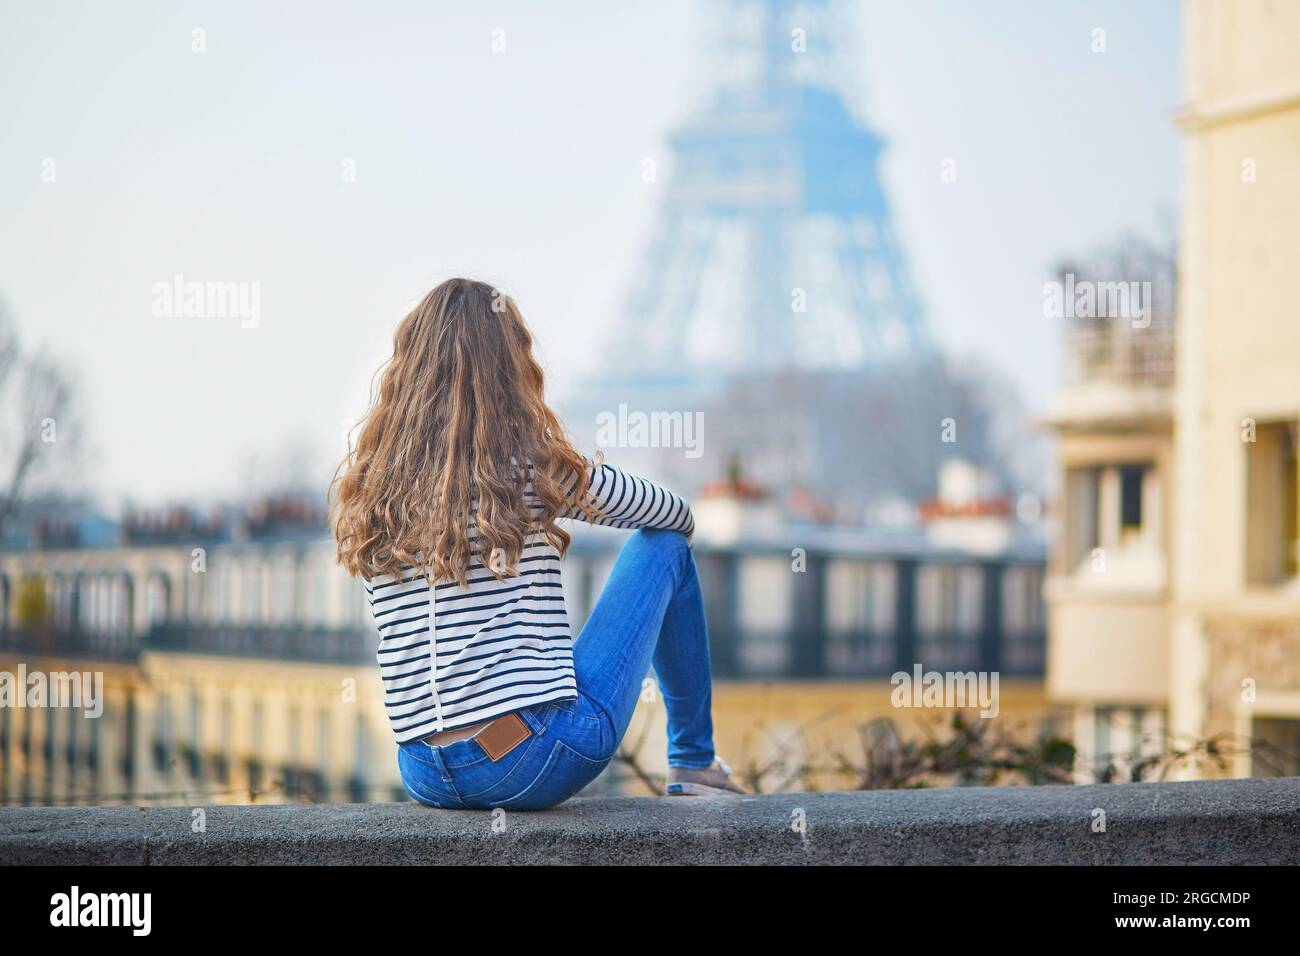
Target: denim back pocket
(565, 773)
(483, 781)
(423, 780)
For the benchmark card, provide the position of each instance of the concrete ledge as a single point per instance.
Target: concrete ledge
(1225, 822)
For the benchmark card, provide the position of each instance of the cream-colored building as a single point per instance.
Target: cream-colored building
(257, 683)
(1174, 600)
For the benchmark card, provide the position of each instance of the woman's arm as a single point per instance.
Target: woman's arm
(628, 501)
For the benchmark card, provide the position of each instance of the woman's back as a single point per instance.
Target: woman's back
(454, 655)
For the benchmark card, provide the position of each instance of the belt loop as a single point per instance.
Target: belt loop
(435, 756)
(532, 720)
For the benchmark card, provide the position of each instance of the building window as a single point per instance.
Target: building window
(129, 720)
(950, 599)
(1081, 487)
(96, 743)
(1272, 520)
(293, 759)
(764, 614)
(860, 613)
(162, 733)
(765, 597)
(257, 723)
(225, 753)
(361, 762)
(295, 731)
(195, 585)
(313, 592)
(320, 788)
(1022, 600)
(222, 606)
(48, 750)
(1131, 478)
(1113, 522)
(255, 588)
(196, 734)
(860, 597)
(949, 609)
(257, 727)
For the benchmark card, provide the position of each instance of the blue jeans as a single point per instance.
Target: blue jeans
(650, 611)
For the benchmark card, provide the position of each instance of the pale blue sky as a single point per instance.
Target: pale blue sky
(522, 168)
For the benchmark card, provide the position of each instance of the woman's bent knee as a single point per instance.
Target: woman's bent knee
(668, 541)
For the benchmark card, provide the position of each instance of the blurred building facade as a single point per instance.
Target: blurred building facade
(238, 659)
(1174, 606)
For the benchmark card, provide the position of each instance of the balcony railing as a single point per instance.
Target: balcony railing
(807, 648)
(113, 645)
(807, 641)
(1117, 351)
(315, 645)
(306, 644)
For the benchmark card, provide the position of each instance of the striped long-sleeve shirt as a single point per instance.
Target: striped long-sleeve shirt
(451, 656)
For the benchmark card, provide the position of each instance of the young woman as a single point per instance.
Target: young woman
(447, 508)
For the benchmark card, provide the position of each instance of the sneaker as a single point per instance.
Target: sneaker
(713, 782)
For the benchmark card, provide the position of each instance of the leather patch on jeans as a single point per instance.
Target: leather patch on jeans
(502, 736)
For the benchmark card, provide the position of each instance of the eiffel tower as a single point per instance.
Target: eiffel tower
(773, 245)
(773, 257)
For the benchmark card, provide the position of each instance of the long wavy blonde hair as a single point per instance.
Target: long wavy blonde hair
(458, 419)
